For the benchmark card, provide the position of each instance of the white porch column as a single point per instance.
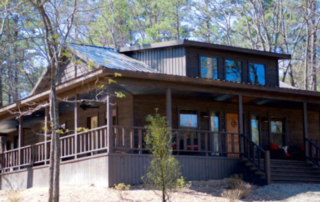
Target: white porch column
(110, 131)
(46, 120)
(19, 139)
(76, 107)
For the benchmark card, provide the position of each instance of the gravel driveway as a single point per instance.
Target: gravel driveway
(200, 191)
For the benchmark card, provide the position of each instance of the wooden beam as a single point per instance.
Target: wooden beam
(305, 128)
(169, 107)
(110, 131)
(46, 120)
(19, 139)
(276, 93)
(240, 121)
(76, 124)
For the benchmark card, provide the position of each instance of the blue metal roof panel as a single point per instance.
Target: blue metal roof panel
(107, 57)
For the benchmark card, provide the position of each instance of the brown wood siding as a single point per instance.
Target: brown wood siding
(145, 105)
(167, 60)
(69, 70)
(130, 168)
(193, 55)
(122, 105)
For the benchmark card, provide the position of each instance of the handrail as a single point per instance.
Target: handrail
(312, 152)
(126, 139)
(250, 150)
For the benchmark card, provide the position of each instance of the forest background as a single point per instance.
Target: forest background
(282, 26)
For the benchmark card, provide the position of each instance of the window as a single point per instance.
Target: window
(278, 135)
(208, 67)
(233, 70)
(188, 119)
(257, 74)
(92, 122)
(214, 126)
(255, 129)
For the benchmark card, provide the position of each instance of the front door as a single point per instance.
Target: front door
(233, 137)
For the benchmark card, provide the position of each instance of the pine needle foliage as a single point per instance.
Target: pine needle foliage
(164, 169)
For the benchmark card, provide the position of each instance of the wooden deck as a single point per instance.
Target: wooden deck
(126, 140)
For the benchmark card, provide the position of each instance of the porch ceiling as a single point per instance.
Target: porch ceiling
(149, 90)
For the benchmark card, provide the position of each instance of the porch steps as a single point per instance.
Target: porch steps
(288, 171)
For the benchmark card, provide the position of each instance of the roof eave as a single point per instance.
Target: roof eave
(203, 45)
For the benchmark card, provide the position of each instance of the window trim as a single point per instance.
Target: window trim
(285, 128)
(218, 66)
(265, 72)
(241, 66)
(189, 108)
(259, 126)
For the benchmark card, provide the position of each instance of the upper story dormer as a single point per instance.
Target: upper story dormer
(211, 61)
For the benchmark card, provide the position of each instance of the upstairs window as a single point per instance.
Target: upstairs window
(257, 74)
(233, 70)
(208, 67)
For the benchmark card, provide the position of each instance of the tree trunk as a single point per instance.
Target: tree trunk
(313, 48)
(306, 62)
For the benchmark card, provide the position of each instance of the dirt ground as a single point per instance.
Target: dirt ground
(200, 191)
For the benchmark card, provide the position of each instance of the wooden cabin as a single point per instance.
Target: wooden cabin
(226, 107)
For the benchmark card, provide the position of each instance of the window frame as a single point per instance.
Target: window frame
(259, 127)
(189, 108)
(241, 66)
(265, 71)
(285, 128)
(218, 66)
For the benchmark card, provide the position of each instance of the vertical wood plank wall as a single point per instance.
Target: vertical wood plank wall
(144, 105)
(129, 168)
(125, 168)
(166, 60)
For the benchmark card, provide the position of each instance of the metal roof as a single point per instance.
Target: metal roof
(185, 42)
(107, 57)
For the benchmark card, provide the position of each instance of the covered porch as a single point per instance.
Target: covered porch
(210, 122)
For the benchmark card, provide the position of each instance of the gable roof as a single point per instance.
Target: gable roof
(189, 43)
(107, 57)
(103, 57)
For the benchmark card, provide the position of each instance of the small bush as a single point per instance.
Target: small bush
(121, 187)
(232, 194)
(181, 184)
(13, 196)
(234, 181)
(237, 188)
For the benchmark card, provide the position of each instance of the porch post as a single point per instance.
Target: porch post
(76, 107)
(240, 121)
(19, 140)
(46, 119)
(110, 131)
(305, 128)
(169, 107)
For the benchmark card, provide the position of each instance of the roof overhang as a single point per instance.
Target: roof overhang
(307, 96)
(189, 43)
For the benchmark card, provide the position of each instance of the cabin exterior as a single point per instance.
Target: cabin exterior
(226, 107)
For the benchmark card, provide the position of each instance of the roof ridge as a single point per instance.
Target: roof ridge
(81, 44)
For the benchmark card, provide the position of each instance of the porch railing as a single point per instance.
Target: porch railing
(312, 151)
(255, 154)
(183, 141)
(126, 140)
